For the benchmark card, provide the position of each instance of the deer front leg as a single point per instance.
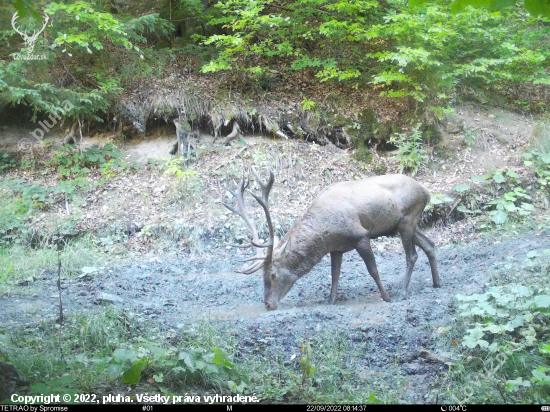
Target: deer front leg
(335, 264)
(365, 251)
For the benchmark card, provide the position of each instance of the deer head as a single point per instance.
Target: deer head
(277, 279)
(29, 40)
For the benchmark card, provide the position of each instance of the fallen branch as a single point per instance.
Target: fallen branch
(234, 133)
(272, 127)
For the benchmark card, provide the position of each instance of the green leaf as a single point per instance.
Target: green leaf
(498, 216)
(125, 355)
(132, 376)
(513, 385)
(186, 357)
(478, 179)
(499, 178)
(494, 328)
(538, 7)
(211, 369)
(539, 376)
(461, 188)
(532, 254)
(156, 351)
(517, 322)
(542, 301)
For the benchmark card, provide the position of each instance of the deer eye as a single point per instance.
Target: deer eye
(273, 276)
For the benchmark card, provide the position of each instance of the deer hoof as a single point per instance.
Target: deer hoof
(437, 284)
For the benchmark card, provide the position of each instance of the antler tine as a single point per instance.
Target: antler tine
(240, 209)
(251, 259)
(253, 268)
(266, 188)
(248, 245)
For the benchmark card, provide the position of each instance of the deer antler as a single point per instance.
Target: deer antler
(241, 211)
(261, 258)
(266, 188)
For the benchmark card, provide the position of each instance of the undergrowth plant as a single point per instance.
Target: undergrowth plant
(69, 162)
(509, 199)
(506, 333)
(199, 365)
(541, 162)
(7, 161)
(412, 155)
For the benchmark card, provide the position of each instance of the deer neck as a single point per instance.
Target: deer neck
(306, 248)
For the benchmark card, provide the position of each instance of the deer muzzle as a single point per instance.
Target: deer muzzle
(270, 305)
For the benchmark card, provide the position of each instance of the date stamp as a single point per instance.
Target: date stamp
(336, 408)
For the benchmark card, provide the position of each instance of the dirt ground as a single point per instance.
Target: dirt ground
(407, 336)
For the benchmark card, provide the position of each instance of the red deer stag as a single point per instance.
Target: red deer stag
(343, 217)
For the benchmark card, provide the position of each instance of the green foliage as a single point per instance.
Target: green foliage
(306, 364)
(509, 199)
(534, 7)
(55, 387)
(19, 202)
(503, 311)
(470, 137)
(92, 28)
(306, 34)
(7, 162)
(541, 163)
(412, 155)
(435, 51)
(439, 198)
(177, 168)
(198, 365)
(71, 163)
(136, 28)
(26, 6)
(424, 55)
(308, 104)
(94, 49)
(510, 325)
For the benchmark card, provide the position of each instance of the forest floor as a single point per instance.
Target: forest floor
(409, 339)
(175, 279)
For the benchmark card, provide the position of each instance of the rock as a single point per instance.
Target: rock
(411, 368)
(103, 297)
(442, 357)
(453, 127)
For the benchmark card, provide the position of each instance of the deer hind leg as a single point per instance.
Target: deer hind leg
(407, 236)
(336, 263)
(364, 249)
(423, 242)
